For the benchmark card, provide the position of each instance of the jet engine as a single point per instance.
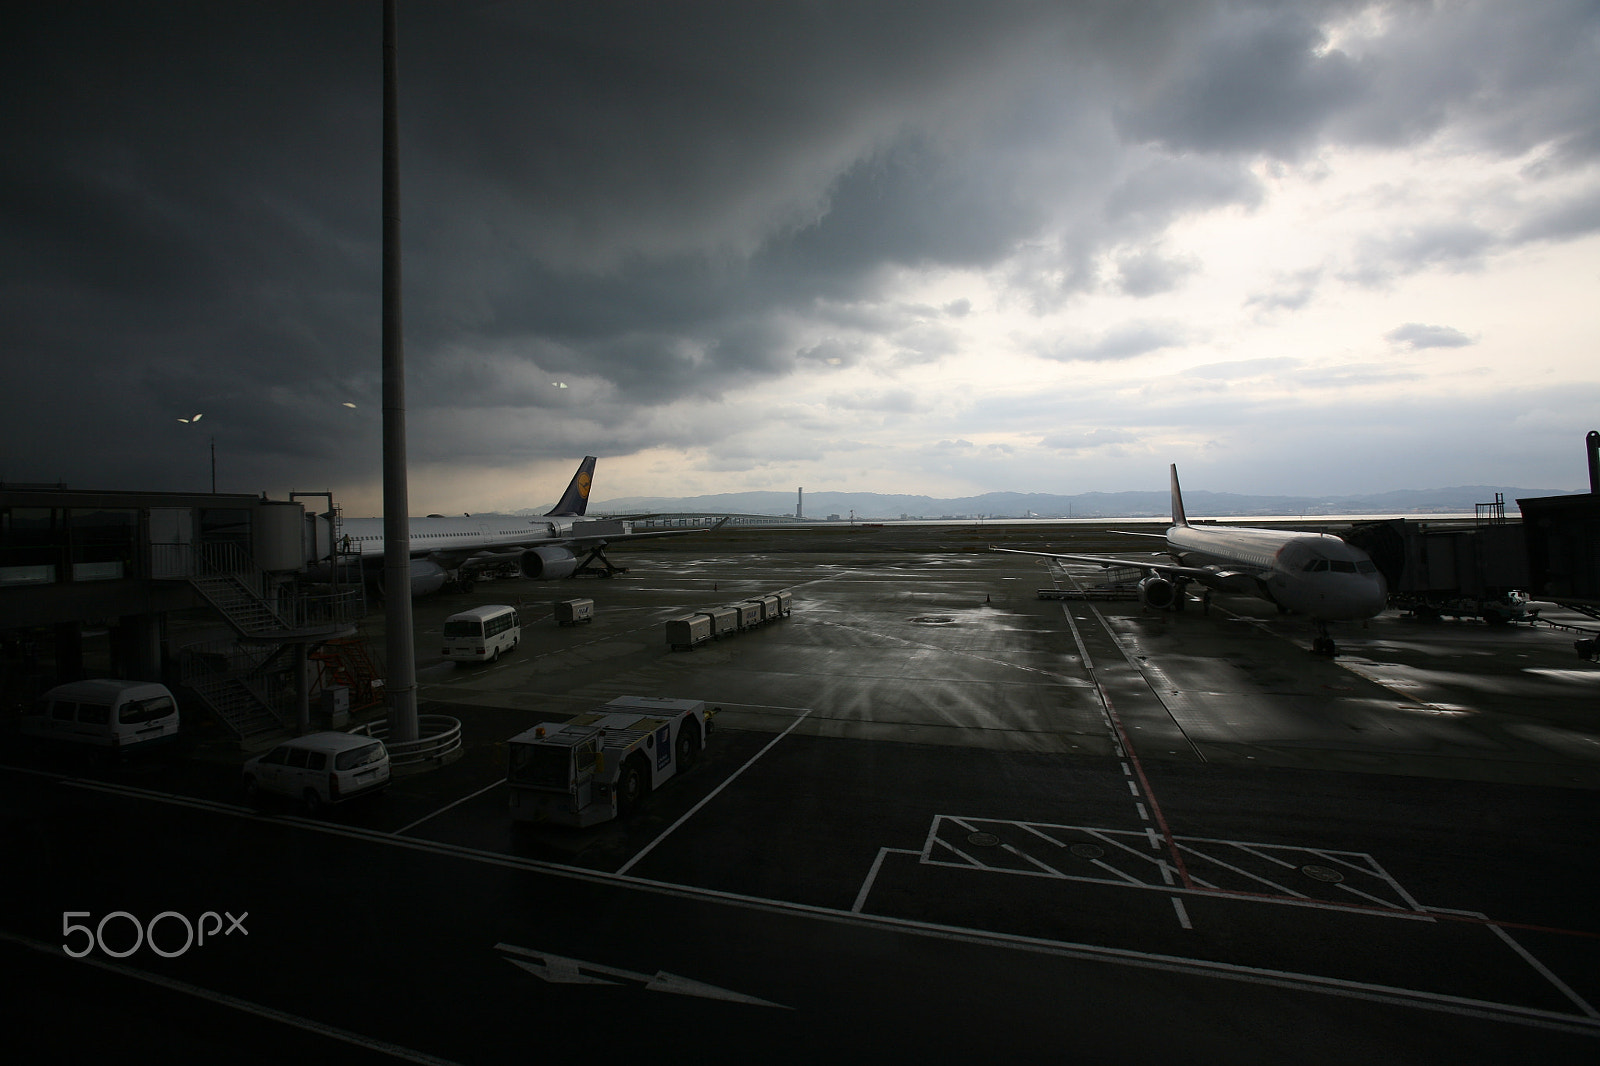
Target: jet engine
(1158, 592)
(426, 578)
(549, 563)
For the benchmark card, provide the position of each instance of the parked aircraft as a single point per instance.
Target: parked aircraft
(459, 549)
(1314, 574)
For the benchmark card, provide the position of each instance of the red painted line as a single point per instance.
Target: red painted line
(1144, 783)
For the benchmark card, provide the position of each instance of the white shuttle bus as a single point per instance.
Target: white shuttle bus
(481, 634)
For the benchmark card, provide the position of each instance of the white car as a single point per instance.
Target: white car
(319, 769)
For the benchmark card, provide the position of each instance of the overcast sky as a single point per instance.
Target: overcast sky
(922, 247)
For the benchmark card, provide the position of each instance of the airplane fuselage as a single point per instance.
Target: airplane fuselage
(1314, 574)
(475, 533)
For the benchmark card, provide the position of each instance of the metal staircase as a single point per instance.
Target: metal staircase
(250, 681)
(230, 581)
(237, 705)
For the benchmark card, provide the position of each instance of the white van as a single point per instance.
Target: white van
(319, 769)
(481, 634)
(118, 716)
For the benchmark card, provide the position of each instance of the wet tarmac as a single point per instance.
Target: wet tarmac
(976, 820)
(958, 648)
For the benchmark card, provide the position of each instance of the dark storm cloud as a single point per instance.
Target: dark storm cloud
(656, 202)
(1253, 82)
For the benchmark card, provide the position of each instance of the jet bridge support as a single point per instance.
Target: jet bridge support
(597, 563)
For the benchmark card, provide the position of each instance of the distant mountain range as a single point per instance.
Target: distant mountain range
(880, 506)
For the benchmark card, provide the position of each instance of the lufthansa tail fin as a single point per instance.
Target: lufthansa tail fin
(1178, 518)
(576, 498)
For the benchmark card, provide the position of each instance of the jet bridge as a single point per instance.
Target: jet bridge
(1435, 568)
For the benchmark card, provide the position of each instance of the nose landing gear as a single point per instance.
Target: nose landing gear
(1323, 644)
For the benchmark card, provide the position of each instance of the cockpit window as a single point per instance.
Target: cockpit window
(1367, 566)
(1344, 566)
(1315, 566)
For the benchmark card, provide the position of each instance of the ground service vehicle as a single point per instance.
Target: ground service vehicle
(118, 717)
(571, 612)
(319, 769)
(600, 764)
(481, 634)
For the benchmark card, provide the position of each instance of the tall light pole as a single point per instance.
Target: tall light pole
(401, 684)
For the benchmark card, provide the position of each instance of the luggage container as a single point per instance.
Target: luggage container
(749, 613)
(686, 632)
(785, 603)
(724, 620)
(571, 612)
(770, 611)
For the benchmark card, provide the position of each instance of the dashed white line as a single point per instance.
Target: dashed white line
(1183, 915)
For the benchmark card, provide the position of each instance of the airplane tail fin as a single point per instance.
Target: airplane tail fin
(1178, 518)
(576, 498)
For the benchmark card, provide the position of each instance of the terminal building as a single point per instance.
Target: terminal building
(200, 591)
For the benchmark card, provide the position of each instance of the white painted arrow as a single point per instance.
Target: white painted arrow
(558, 969)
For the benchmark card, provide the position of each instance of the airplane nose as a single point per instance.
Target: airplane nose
(1377, 597)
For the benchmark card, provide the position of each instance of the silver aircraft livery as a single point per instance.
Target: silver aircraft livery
(1314, 574)
(459, 549)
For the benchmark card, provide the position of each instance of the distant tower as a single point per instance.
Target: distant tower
(800, 503)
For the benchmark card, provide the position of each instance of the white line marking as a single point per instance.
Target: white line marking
(872, 876)
(1246, 873)
(1155, 841)
(1133, 786)
(1043, 835)
(333, 1032)
(1520, 950)
(1049, 870)
(1364, 895)
(1183, 915)
(692, 811)
(446, 807)
(970, 860)
(1132, 880)
(1144, 815)
(1545, 973)
(1417, 999)
(1125, 771)
(1268, 858)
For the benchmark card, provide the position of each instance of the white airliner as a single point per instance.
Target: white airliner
(446, 549)
(1314, 574)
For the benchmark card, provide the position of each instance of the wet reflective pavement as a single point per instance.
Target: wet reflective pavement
(977, 821)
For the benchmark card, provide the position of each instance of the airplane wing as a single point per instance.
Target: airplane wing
(1220, 579)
